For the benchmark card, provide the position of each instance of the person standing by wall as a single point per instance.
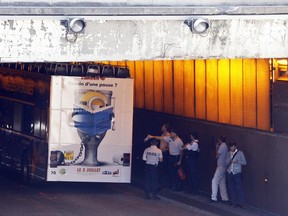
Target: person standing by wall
(191, 155)
(152, 155)
(235, 160)
(164, 166)
(219, 179)
(175, 157)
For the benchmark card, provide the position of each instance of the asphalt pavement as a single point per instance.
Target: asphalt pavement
(68, 199)
(83, 199)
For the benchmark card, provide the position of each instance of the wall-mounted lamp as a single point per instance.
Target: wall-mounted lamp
(73, 26)
(198, 26)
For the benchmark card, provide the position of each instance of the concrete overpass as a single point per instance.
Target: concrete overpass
(141, 30)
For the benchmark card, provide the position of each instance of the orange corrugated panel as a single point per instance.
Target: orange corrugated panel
(122, 63)
(149, 87)
(189, 93)
(131, 66)
(178, 85)
(212, 89)
(114, 63)
(168, 87)
(236, 82)
(105, 62)
(263, 94)
(249, 92)
(158, 86)
(224, 91)
(200, 94)
(139, 84)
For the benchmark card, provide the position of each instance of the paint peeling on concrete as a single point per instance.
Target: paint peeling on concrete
(31, 29)
(11, 24)
(43, 28)
(45, 40)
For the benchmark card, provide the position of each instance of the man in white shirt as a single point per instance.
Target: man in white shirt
(191, 155)
(175, 146)
(152, 155)
(219, 179)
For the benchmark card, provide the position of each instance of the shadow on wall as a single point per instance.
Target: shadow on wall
(265, 152)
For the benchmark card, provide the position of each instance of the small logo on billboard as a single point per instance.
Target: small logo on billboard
(62, 171)
(106, 172)
(116, 173)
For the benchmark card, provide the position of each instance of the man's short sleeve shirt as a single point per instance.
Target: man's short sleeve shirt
(193, 146)
(175, 146)
(152, 155)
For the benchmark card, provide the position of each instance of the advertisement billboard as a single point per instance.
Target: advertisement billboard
(90, 129)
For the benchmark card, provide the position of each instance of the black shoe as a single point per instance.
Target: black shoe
(159, 189)
(195, 193)
(155, 198)
(147, 197)
(190, 192)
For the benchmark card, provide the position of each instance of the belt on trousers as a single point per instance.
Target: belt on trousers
(154, 165)
(174, 155)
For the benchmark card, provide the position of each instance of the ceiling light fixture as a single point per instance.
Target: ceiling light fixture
(198, 26)
(74, 26)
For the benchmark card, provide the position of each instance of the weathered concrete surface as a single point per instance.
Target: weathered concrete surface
(38, 39)
(144, 2)
(88, 9)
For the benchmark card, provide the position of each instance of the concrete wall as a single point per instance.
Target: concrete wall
(144, 2)
(39, 39)
(265, 176)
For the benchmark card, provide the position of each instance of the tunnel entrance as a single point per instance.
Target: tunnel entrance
(230, 91)
(236, 97)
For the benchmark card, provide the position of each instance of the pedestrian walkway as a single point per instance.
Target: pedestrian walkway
(202, 201)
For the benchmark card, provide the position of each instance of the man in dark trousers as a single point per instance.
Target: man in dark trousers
(175, 156)
(191, 155)
(164, 166)
(152, 155)
(235, 160)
